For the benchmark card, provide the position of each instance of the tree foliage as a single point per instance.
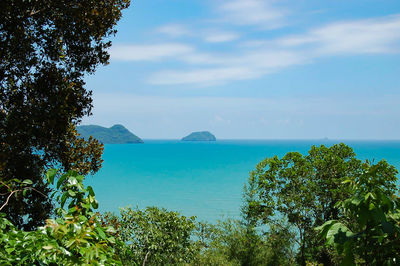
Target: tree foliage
(76, 237)
(368, 233)
(230, 242)
(154, 236)
(46, 49)
(304, 189)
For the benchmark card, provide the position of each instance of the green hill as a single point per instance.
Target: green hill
(116, 134)
(200, 136)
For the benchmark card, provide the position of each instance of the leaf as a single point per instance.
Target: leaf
(369, 195)
(51, 173)
(63, 199)
(356, 200)
(48, 247)
(101, 232)
(71, 193)
(9, 250)
(61, 180)
(95, 204)
(91, 192)
(27, 182)
(338, 233)
(111, 240)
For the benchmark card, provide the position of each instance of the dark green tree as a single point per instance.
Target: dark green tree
(368, 232)
(304, 190)
(46, 49)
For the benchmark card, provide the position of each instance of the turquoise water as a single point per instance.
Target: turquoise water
(203, 179)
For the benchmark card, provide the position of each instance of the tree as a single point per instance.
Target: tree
(46, 49)
(368, 233)
(304, 190)
(154, 236)
(230, 242)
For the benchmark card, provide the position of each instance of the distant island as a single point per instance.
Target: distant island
(116, 134)
(200, 136)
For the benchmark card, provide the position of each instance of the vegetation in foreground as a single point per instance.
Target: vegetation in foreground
(293, 214)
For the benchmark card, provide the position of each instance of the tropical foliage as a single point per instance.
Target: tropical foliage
(153, 236)
(76, 237)
(304, 190)
(368, 232)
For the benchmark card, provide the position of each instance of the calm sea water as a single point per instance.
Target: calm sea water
(203, 179)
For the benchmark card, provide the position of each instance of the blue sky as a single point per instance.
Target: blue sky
(253, 69)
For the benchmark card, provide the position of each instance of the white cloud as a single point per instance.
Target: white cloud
(216, 37)
(148, 52)
(210, 76)
(249, 65)
(174, 30)
(261, 13)
(208, 35)
(257, 58)
(379, 35)
(262, 57)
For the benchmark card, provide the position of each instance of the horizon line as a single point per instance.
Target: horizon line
(286, 139)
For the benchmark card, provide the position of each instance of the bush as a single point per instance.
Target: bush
(76, 237)
(154, 236)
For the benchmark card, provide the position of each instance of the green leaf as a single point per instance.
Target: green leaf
(101, 232)
(63, 199)
(95, 204)
(51, 173)
(91, 192)
(9, 250)
(356, 200)
(71, 193)
(27, 182)
(338, 233)
(61, 180)
(369, 195)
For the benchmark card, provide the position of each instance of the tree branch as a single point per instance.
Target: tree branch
(145, 258)
(15, 191)
(8, 198)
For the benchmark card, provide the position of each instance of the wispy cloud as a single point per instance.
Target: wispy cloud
(228, 68)
(259, 57)
(260, 13)
(174, 30)
(379, 35)
(209, 76)
(149, 52)
(211, 35)
(262, 57)
(220, 36)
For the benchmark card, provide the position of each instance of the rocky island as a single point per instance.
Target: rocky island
(116, 134)
(200, 136)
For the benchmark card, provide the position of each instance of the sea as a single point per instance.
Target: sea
(202, 179)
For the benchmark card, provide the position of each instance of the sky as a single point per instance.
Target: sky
(253, 69)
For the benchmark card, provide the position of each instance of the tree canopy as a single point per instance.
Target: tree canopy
(46, 49)
(368, 232)
(304, 189)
